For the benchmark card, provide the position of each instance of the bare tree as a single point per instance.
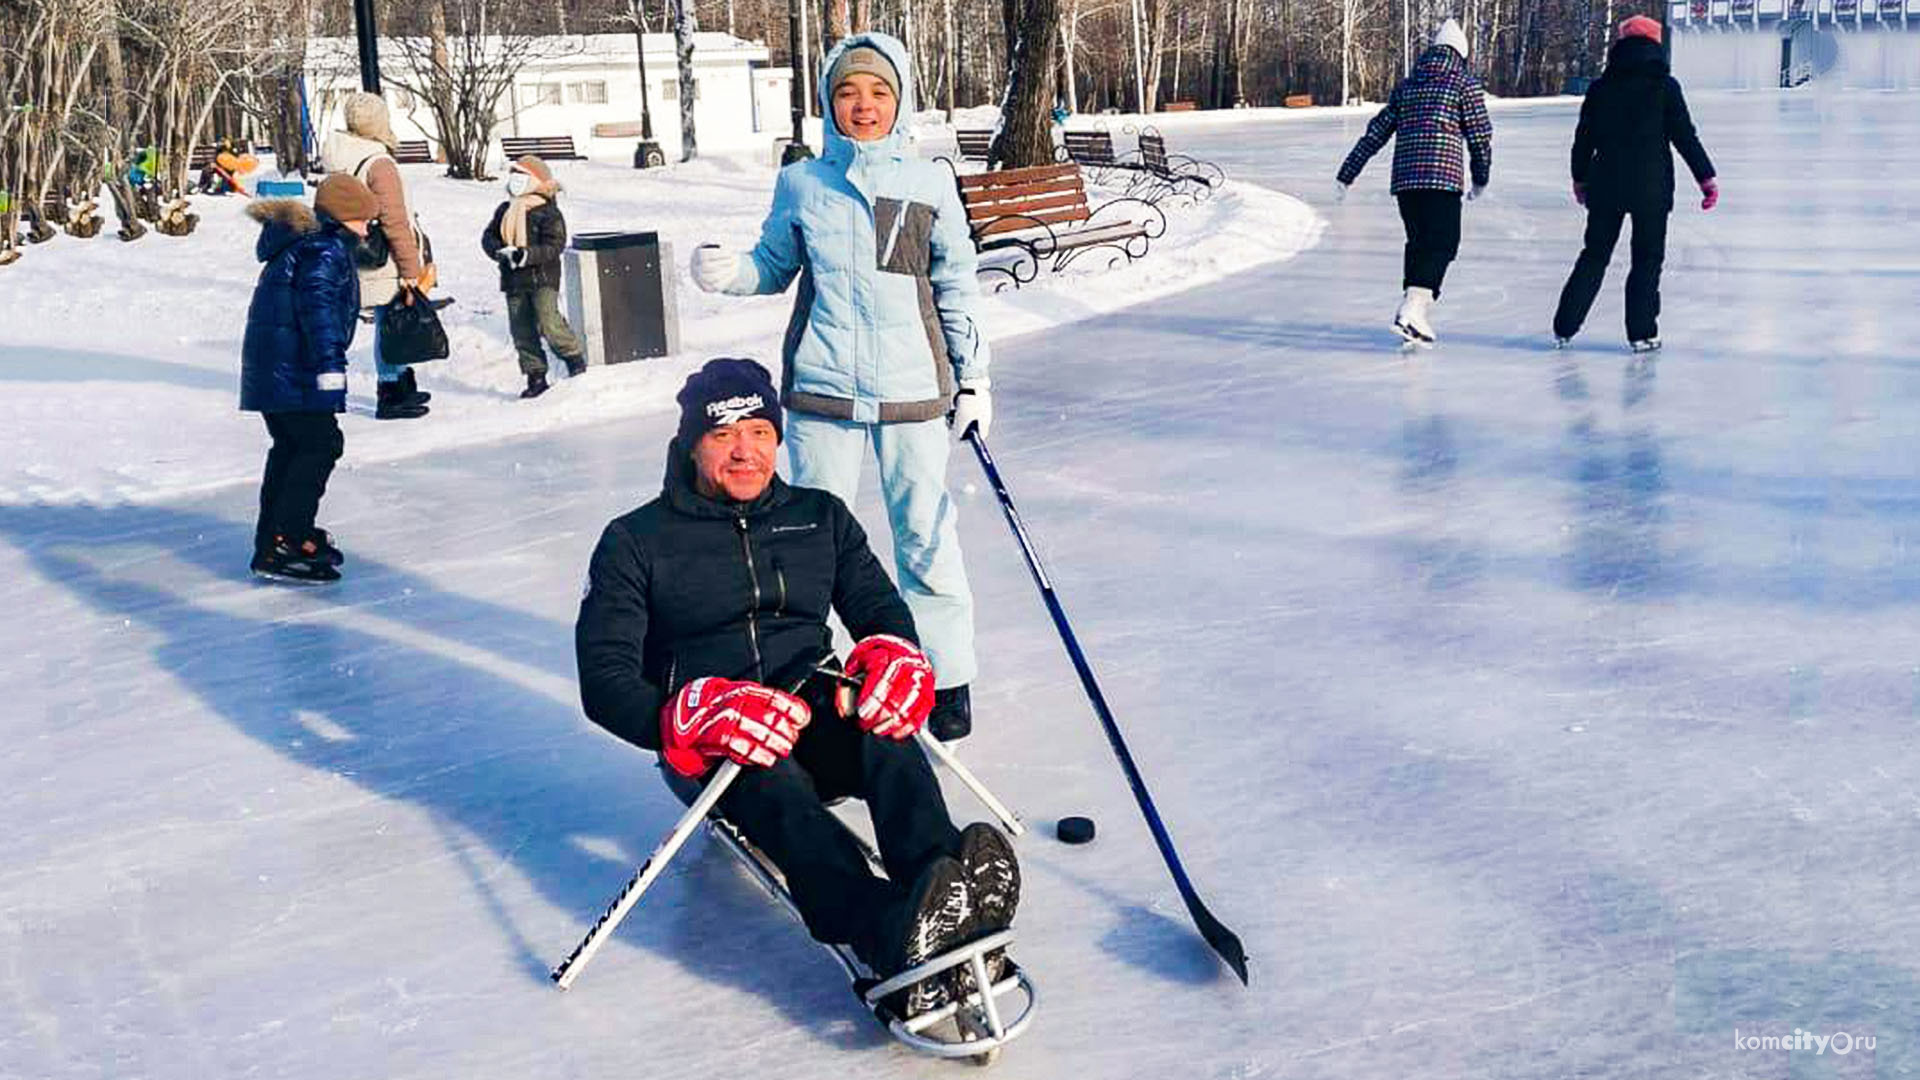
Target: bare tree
(464, 68)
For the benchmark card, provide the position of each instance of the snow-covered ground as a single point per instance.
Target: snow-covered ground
(1528, 714)
(144, 340)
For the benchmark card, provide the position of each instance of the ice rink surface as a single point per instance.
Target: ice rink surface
(1528, 714)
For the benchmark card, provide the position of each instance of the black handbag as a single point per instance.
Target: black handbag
(373, 252)
(411, 332)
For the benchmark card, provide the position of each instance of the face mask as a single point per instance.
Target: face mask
(519, 184)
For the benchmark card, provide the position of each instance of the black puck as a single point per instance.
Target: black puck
(1074, 830)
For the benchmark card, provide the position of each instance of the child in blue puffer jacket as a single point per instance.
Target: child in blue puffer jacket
(883, 345)
(293, 366)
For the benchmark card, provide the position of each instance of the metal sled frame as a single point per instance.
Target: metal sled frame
(980, 1023)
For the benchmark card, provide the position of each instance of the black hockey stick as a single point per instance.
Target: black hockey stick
(1223, 940)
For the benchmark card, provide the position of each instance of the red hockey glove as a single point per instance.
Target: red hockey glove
(714, 718)
(1709, 193)
(896, 692)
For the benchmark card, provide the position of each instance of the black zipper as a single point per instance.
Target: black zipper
(753, 610)
(780, 580)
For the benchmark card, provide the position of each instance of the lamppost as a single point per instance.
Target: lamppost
(369, 46)
(646, 155)
(796, 42)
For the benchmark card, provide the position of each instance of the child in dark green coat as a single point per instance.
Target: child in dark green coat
(527, 236)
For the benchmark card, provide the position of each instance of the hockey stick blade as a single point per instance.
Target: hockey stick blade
(1222, 940)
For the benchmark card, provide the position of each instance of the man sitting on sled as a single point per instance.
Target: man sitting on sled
(701, 637)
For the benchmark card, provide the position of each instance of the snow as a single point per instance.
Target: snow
(144, 339)
(1528, 714)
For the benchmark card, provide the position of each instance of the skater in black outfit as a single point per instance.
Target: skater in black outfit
(1623, 167)
(294, 366)
(701, 636)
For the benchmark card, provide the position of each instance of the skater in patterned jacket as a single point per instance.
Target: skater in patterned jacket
(1438, 120)
(1632, 121)
(703, 635)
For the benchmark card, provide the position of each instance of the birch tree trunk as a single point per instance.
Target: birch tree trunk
(683, 31)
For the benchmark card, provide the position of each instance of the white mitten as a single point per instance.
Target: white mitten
(714, 267)
(972, 408)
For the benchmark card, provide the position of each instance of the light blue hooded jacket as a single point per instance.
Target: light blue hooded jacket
(882, 328)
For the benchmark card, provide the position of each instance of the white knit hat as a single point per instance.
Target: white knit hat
(1452, 37)
(366, 116)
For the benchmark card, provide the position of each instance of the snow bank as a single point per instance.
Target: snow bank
(138, 344)
(935, 133)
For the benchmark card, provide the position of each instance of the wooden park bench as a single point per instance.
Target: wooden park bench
(419, 152)
(1041, 213)
(1089, 149)
(544, 147)
(1179, 106)
(1162, 173)
(1298, 101)
(974, 145)
(201, 156)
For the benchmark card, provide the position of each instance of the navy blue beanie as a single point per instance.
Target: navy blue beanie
(727, 391)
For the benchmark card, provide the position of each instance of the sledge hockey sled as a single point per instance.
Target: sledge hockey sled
(976, 1026)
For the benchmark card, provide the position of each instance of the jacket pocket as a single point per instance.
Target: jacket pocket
(903, 236)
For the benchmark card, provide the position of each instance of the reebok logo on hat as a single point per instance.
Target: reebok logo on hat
(734, 409)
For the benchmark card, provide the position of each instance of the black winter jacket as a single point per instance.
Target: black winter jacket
(1632, 114)
(300, 323)
(686, 587)
(546, 242)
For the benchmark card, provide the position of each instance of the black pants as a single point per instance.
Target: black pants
(1432, 219)
(305, 446)
(1643, 281)
(783, 811)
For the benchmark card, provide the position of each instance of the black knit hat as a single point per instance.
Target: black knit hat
(727, 391)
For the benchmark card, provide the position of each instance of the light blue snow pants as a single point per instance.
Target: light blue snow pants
(828, 454)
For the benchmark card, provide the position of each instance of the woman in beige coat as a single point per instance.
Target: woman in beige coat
(365, 151)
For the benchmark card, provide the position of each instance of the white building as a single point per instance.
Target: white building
(588, 87)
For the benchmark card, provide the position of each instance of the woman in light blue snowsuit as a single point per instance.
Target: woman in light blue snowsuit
(882, 347)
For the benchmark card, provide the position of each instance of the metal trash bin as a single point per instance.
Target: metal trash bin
(620, 295)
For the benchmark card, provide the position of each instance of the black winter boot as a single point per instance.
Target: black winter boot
(576, 366)
(993, 879)
(414, 395)
(392, 404)
(930, 922)
(952, 716)
(536, 385)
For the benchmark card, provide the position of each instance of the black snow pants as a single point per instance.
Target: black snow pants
(1432, 219)
(1643, 280)
(783, 811)
(305, 447)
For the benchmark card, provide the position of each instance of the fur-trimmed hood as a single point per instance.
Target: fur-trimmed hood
(283, 221)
